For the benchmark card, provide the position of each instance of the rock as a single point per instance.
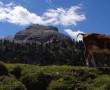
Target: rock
(40, 33)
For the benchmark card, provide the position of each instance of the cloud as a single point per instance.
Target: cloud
(17, 14)
(70, 16)
(73, 34)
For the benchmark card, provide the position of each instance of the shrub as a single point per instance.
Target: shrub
(9, 83)
(17, 72)
(3, 69)
(66, 83)
(100, 83)
(36, 81)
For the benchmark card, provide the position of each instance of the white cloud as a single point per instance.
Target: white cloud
(65, 17)
(17, 14)
(73, 34)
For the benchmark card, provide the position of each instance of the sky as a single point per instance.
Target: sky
(68, 15)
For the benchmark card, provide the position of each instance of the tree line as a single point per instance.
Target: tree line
(50, 53)
(56, 52)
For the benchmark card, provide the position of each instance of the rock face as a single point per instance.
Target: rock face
(40, 33)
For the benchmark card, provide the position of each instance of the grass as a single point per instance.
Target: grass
(60, 77)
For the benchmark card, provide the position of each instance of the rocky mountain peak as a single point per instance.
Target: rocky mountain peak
(40, 33)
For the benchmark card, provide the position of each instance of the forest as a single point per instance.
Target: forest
(50, 53)
(57, 65)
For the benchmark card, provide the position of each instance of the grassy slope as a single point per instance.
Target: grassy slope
(62, 77)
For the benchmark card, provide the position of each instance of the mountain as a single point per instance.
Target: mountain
(40, 33)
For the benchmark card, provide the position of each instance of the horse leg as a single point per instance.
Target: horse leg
(93, 61)
(87, 58)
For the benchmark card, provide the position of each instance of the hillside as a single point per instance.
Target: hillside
(57, 52)
(37, 61)
(41, 33)
(32, 77)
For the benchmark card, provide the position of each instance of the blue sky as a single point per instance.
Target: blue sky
(83, 15)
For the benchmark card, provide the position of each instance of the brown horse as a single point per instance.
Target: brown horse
(95, 43)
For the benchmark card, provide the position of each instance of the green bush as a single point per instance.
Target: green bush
(66, 83)
(17, 72)
(3, 69)
(36, 81)
(60, 77)
(100, 83)
(9, 83)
